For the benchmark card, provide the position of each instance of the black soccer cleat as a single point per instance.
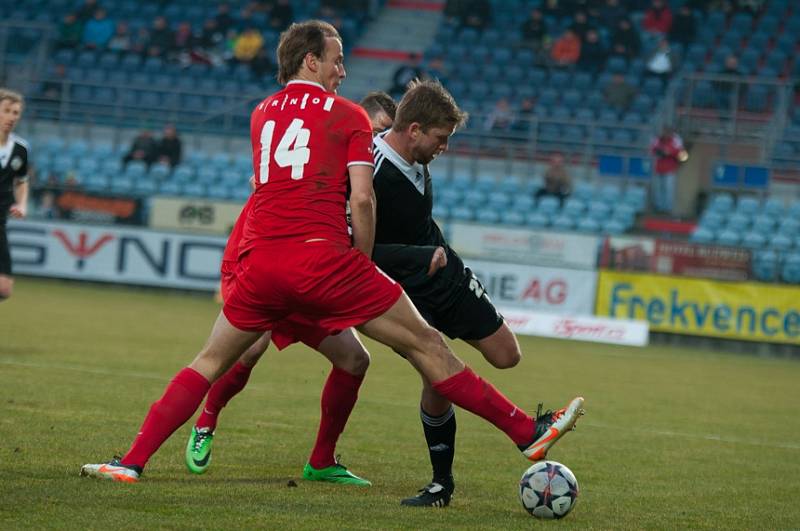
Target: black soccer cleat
(431, 495)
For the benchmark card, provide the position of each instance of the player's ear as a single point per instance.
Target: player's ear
(415, 129)
(311, 61)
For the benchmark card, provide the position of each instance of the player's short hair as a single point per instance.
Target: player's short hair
(429, 104)
(379, 101)
(15, 97)
(298, 40)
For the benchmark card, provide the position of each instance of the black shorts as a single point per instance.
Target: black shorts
(5, 253)
(465, 313)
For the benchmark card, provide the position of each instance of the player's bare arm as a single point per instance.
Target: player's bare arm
(20, 208)
(362, 208)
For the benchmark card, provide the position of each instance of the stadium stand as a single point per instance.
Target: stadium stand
(735, 68)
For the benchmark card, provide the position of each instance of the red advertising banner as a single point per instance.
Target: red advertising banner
(704, 261)
(668, 257)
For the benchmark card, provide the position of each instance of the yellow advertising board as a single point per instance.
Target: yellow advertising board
(734, 310)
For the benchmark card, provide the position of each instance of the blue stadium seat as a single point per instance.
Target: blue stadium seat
(574, 207)
(756, 177)
(729, 237)
(610, 165)
(765, 265)
(95, 182)
(599, 210)
(587, 224)
(194, 189)
(747, 205)
(441, 211)
(548, 205)
(712, 220)
(563, 222)
(702, 234)
(461, 213)
(145, 186)
(754, 240)
(613, 226)
(160, 171)
(738, 222)
(721, 202)
(780, 242)
(523, 203)
(512, 217)
(764, 223)
(488, 216)
(537, 219)
(789, 226)
(791, 269)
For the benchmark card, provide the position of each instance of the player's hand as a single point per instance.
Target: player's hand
(438, 261)
(18, 211)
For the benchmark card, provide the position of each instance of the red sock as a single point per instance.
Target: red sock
(228, 386)
(338, 398)
(179, 402)
(471, 392)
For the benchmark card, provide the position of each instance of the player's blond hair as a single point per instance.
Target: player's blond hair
(15, 97)
(429, 104)
(298, 40)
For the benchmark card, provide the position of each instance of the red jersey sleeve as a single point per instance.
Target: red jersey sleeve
(359, 147)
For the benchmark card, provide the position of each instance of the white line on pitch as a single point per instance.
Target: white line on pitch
(700, 436)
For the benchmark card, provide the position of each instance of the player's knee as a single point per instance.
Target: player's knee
(506, 357)
(6, 288)
(432, 343)
(359, 363)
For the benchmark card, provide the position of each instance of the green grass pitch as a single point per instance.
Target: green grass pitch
(672, 438)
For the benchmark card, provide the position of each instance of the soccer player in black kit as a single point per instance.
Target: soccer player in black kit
(13, 179)
(453, 300)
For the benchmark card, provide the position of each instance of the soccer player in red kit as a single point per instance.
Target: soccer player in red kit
(346, 353)
(297, 266)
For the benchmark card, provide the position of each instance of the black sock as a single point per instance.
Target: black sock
(440, 434)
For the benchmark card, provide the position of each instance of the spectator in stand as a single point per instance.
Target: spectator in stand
(261, 65)
(248, 44)
(726, 90)
(161, 38)
(86, 11)
(580, 25)
(121, 41)
(566, 50)
(98, 30)
(618, 93)
(557, 181)
(524, 118)
(475, 14)
(500, 118)
(683, 27)
(660, 63)
(611, 13)
(437, 69)
(593, 53)
(281, 15)
(140, 41)
(554, 9)
(669, 153)
(626, 40)
(223, 18)
(183, 39)
(53, 87)
(534, 31)
(169, 147)
(405, 74)
(658, 19)
(70, 32)
(144, 148)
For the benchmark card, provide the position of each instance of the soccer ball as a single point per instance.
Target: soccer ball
(548, 490)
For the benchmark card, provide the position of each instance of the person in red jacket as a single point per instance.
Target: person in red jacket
(658, 19)
(669, 152)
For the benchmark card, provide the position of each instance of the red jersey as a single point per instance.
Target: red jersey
(235, 237)
(304, 139)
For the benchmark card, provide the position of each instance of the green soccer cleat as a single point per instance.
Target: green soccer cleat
(198, 450)
(337, 473)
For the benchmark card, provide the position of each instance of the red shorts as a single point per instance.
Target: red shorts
(306, 291)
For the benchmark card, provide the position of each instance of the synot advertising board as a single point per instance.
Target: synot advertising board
(524, 246)
(115, 254)
(545, 289)
(736, 310)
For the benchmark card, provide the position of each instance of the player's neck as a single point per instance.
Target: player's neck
(397, 143)
(4, 138)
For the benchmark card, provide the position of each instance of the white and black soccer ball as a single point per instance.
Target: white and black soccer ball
(548, 490)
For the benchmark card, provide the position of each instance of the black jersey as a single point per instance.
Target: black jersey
(13, 167)
(404, 194)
